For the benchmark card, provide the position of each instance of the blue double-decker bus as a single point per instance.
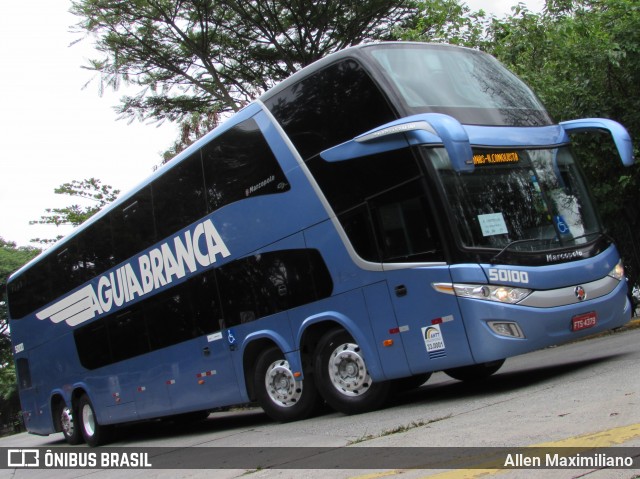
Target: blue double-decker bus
(389, 211)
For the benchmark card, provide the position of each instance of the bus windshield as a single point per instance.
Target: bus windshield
(469, 85)
(536, 198)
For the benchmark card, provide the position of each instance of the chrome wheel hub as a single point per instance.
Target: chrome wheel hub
(281, 386)
(348, 371)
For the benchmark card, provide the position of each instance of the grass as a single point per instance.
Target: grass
(397, 430)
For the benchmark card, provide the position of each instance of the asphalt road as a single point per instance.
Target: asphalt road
(579, 395)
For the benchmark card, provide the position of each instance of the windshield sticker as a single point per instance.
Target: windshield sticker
(433, 339)
(492, 224)
(561, 224)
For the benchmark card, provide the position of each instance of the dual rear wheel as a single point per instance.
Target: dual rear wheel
(79, 423)
(339, 377)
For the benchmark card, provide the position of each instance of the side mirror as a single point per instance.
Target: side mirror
(618, 132)
(423, 129)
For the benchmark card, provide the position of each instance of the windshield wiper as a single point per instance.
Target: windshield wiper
(529, 240)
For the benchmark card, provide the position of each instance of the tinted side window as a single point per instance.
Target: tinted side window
(240, 164)
(24, 373)
(347, 184)
(96, 246)
(382, 204)
(18, 296)
(169, 318)
(127, 334)
(268, 283)
(182, 313)
(67, 269)
(92, 343)
(331, 106)
(31, 290)
(133, 225)
(179, 196)
(404, 225)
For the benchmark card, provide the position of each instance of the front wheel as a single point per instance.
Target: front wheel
(279, 394)
(342, 375)
(93, 433)
(476, 372)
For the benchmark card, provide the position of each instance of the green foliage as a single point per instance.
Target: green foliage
(447, 21)
(206, 56)
(11, 258)
(582, 58)
(90, 189)
(192, 128)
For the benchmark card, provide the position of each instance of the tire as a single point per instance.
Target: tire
(476, 372)
(279, 394)
(94, 434)
(69, 425)
(342, 376)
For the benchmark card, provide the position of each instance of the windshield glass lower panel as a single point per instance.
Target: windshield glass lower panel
(519, 202)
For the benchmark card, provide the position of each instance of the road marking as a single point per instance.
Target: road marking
(375, 475)
(584, 442)
(610, 437)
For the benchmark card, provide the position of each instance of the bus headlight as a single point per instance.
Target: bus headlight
(500, 294)
(618, 271)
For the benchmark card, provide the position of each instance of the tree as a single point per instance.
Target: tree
(197, 61)
(447, 21)
(204, 56)
(581, 57)
(91, 189)
(11, 258)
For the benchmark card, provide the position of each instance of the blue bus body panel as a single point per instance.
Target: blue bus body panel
(403, 325)
(506, 136)
(431, 327)
(542, 277)
(542, 327)
(156, 395)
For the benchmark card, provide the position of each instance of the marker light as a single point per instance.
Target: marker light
(500, 294)
(617, 272)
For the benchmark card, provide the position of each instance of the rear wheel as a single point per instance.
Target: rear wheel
(94, 434)
(476, 372)
(281, 396)
(342, 375)
(69, 425)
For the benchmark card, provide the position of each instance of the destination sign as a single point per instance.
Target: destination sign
(495, 158)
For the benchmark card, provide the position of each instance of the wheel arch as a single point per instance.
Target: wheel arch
(316, 326)
(57, 402)
(251, 351)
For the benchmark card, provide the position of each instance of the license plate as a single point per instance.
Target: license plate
(583, 321)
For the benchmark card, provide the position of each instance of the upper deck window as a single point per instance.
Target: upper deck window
(330, 106)
(233, 166)
(469, 85)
